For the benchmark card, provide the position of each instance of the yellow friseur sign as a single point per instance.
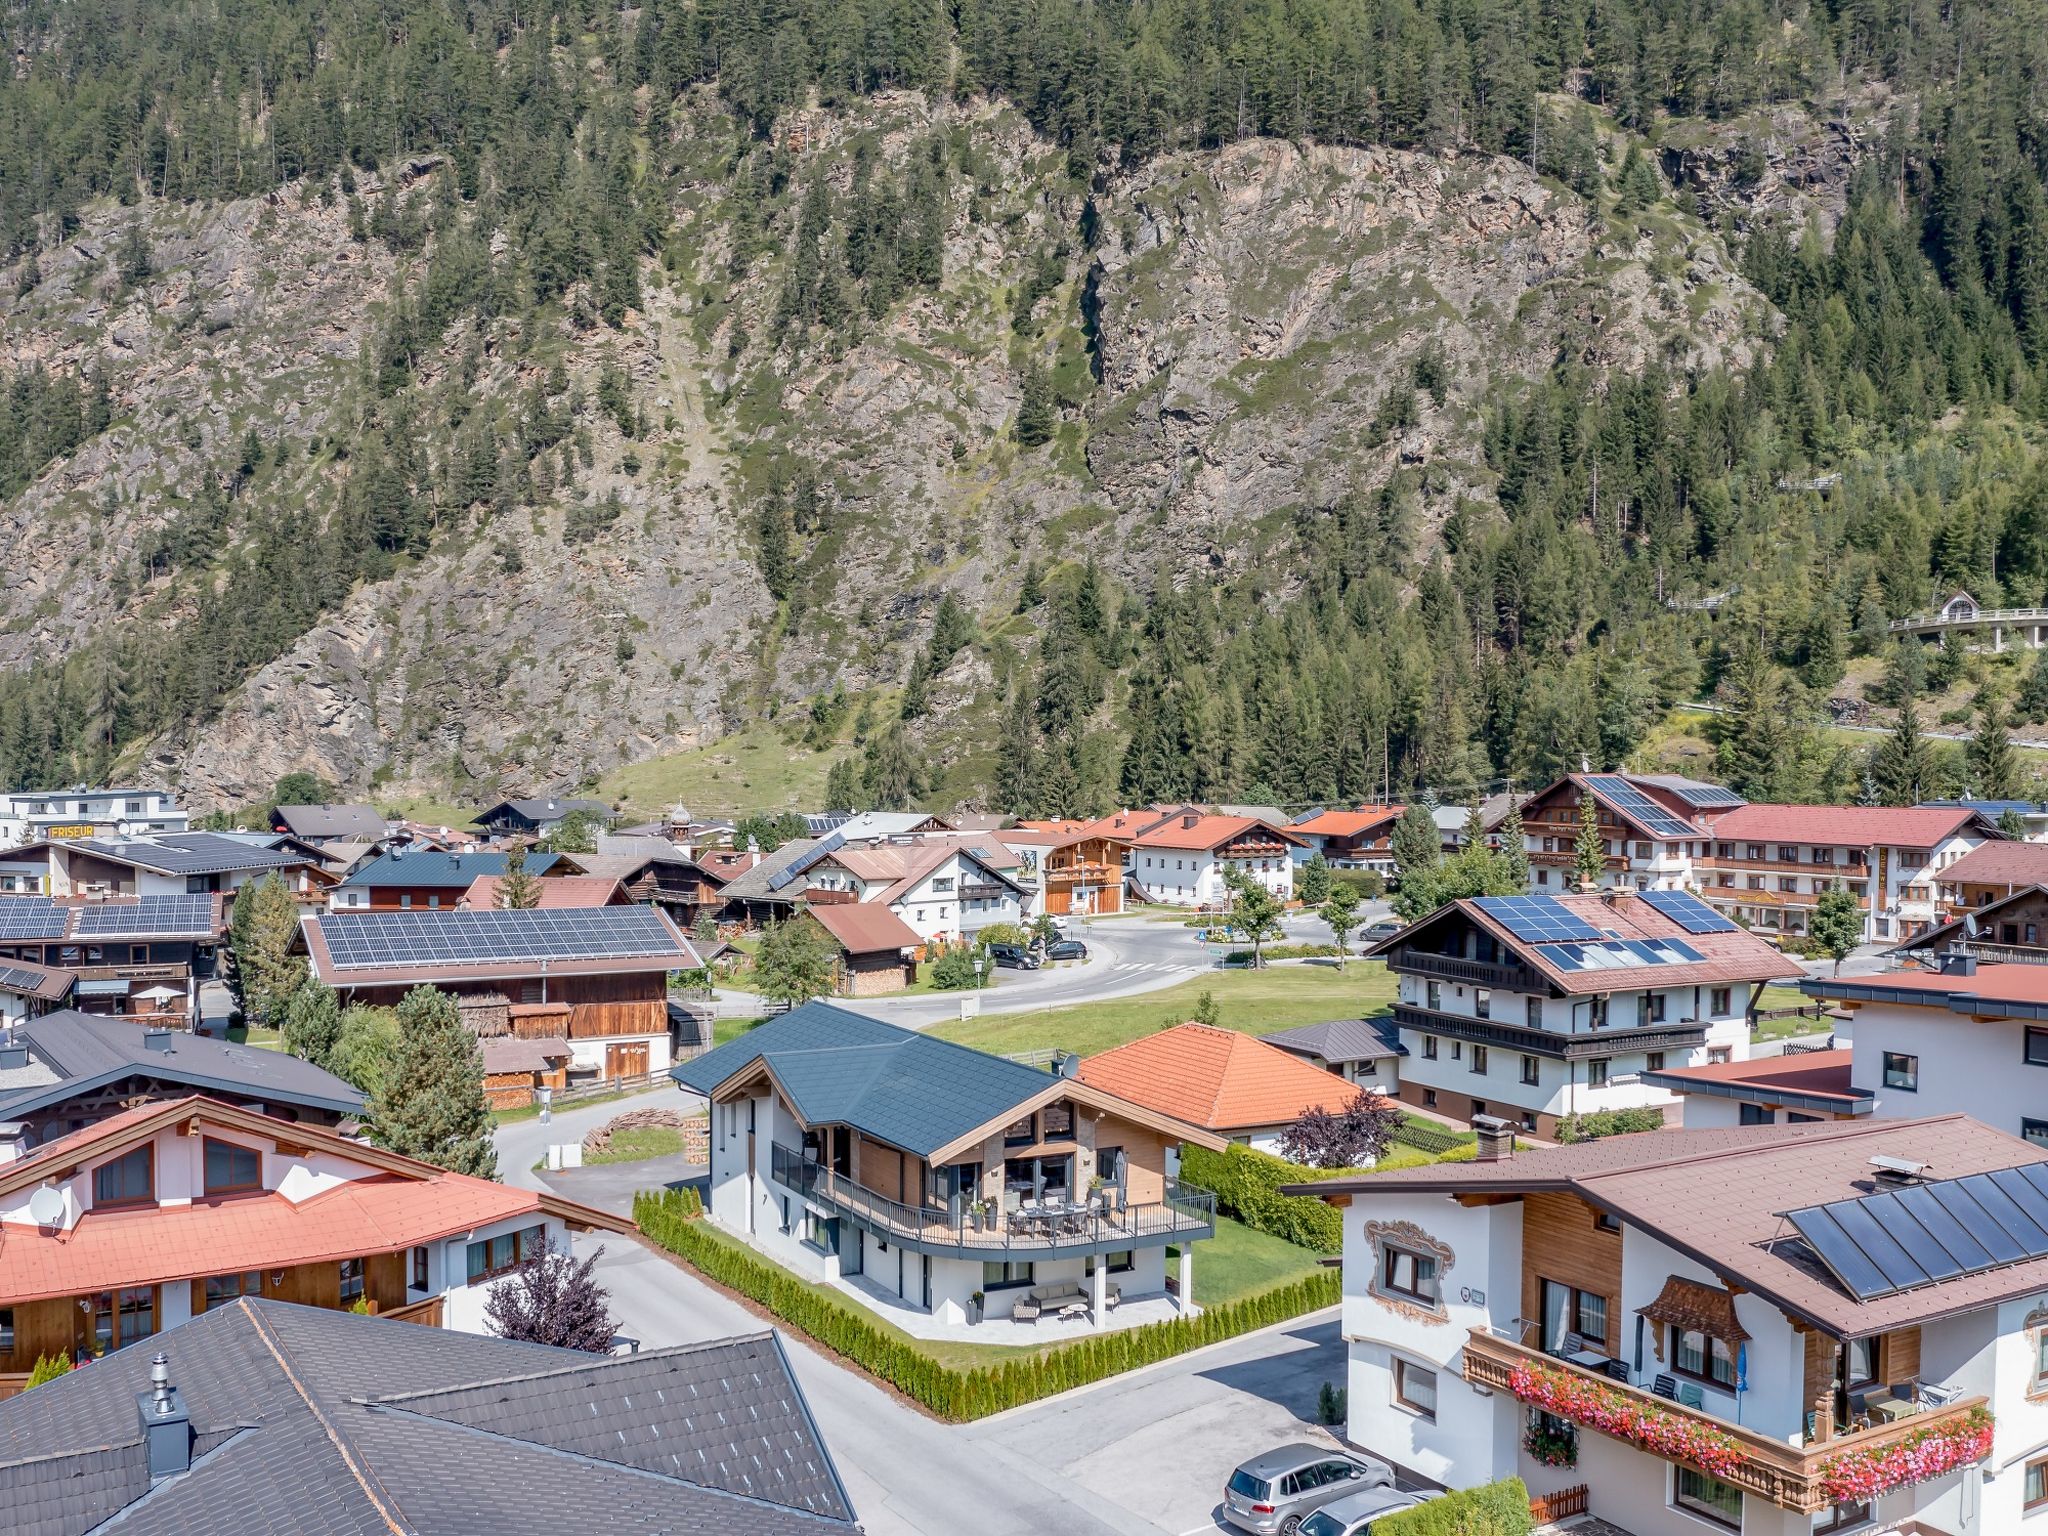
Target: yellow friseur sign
(77, 831)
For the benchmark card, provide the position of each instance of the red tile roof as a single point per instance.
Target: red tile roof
(1851, 826)
(1216, 1078)
(864, 927)
(555, 891)
(2004, 862)
(1207, 832)
(1348, 823)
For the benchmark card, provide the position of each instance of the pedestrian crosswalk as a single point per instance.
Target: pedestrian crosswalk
(1132, 967)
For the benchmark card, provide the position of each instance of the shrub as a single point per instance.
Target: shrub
(1287, 952)
(1609, 1122)
(1330, 1404)
(48, 1368)
(1002, 933)
(849, 1330)
(1365, 884)
(1492, 1509)
(954, 968)
(1247, 1186)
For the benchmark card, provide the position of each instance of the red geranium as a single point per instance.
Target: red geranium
(1673, 1436)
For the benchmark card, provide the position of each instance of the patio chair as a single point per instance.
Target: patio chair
(1574, 1344)
(1665, 1387)
(1939, 1397)
(1617, 1370)
(1690, 1396)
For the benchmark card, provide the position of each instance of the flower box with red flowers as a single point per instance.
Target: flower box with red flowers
(1931, 1451)
(1591, 1405)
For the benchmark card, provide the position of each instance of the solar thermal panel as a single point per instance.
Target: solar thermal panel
(1957, 1235)
(1883, 1249)
(1847, 1262)
(1922, 1233)
(1928, 1255)
(1999, 1214)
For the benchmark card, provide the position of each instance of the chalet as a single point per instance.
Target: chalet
(877, 950)
(538, 817)
(945, 891)
(2013, 925)
(877, 826)
(137, 956)
(770, 886)
(260, 1415)
(661, 873)
(161, 1212)
(1075, 867)
(406, 879)
(322, 824)
(1532, 1008)
(1778, 1330)
(1011, 1194)
(1223, 1080)
(1652, 829)
(31, 816)
(1989, 873)
(68, 1070)
(1181, 860)
(596, 976)
(1358, 839)
(162, 864)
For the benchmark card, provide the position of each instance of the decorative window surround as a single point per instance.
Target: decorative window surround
(1379, 1235)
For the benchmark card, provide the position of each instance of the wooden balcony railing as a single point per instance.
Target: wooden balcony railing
(1481, 973)
(428, 1312)
(1788, 1475)
(1682, 1035)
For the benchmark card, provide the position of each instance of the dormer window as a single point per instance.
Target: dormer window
(126, 1180)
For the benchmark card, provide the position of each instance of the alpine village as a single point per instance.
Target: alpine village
(1024, 767)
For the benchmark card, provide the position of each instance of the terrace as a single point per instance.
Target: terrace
(1049, 1228)
(1791, 1476)
(1683, 1035)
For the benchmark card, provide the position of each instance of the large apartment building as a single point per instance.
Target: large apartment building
(1775, 1330)
(1532, 1008)
(1765, 865)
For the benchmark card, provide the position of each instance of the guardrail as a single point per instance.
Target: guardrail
(1981, 616)
(1186, 1211)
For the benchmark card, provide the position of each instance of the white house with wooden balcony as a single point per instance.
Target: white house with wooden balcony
(1775, 1330)
(945, 1187)
(1185, 858)
(944, 891)
(1534, 1008)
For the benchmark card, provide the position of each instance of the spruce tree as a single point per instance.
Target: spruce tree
(1314, 886)
(1037, 415)
(1994, 767)
(267, 971)
(312, 1022)
(1417, 845)
(1589, 849)
(842, 785)
(518, 890)
(1514, 846)
(431, 1102)
(1902, 766)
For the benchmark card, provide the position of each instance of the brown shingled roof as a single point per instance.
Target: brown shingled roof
(865, 927)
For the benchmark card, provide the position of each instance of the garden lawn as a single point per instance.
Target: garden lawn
(1240, 1261)
(638, 1143)
(1257, 1002)
(261, 1038)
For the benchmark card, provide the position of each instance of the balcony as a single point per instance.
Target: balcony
(1186, 1214)
(1478, 973)
(1790, 1476)
(984, 890)
(1681, 1036)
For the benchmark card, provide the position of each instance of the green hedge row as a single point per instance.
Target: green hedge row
(849, 1330)
(1247, 1186)
(1609, 1122)
(1494, 1509)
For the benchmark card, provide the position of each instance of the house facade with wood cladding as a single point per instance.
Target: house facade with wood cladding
(1775, 1330)
(117, 1232)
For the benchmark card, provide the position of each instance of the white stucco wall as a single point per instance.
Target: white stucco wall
(1965, 1067)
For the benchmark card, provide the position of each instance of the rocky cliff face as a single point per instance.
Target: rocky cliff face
(1228, 334)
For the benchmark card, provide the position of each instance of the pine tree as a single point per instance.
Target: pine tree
(431, 1102)
(1037, 415)
(312, 1022)
(1514, 846)
(1416, 843)
(518, 890)
(842, 785)
(1902, 766)
(1994, 766)
(267, 971)
(1589, 849)
(1314, 888)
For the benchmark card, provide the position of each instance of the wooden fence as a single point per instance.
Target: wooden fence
(1546, 1507)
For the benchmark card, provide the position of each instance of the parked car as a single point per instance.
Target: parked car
(1271, 1495)
(1066, 949)
(1385, 928)
(1013, 956)
(1354, 1514)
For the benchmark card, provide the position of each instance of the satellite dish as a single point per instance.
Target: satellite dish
(46, 1206)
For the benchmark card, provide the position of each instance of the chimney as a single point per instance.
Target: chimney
(1496, 1138)
(13, 1141)
(157, 1040)
(13, 1054)
(166, 1427)
(1190, 819)
(1958, 961)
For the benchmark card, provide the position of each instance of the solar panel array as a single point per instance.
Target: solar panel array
(829, 844)
(1706, 797)
(149, 914)
(377, 940)
(1919, 1234)
(1621, 954)
(1537, 919)
(32, 917)
(15, 978)
(1639, 807)
(1688, 911)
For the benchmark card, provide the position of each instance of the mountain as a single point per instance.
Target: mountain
(543, 394)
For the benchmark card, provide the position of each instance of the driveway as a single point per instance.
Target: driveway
(1144, 1455)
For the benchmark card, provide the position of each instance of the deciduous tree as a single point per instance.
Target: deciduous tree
(553, 1298)
(1353, 1137)
(1837, 922)
(796, 962)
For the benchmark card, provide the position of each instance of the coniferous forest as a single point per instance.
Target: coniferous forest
(1883, 446)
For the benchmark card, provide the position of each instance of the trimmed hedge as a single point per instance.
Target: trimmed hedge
(1247, 1186)
(1609, 1122)
(847, 1329)
(1493, 1509)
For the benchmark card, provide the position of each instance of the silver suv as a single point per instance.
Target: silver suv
(1354, 1514)
(1270, 1495)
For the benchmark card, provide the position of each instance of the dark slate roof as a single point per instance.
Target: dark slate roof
(753, 884)
(83, 1052)
(191, 853)
(454, 871)
(544, 808)
(841, 1067)
(316, 1423)
(361, 823)
(1342, 1040)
